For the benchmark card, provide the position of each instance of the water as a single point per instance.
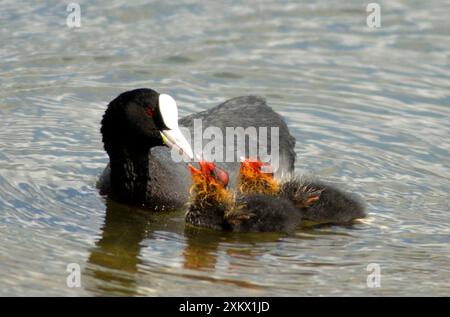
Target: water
(369, 109)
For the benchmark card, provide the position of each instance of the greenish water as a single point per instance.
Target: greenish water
(369, 109)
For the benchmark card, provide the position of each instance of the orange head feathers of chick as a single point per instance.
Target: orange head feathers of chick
(257, 177)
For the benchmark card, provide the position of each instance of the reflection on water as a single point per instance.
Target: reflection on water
(114, 260)
(369, 109)
(113, 264)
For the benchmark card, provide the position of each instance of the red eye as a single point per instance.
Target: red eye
(149, 111)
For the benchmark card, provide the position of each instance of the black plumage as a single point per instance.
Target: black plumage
(332, 205)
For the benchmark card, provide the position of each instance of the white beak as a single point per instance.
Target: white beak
(173, 137)
(176, 140)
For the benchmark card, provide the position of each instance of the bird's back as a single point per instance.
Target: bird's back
(248, 112)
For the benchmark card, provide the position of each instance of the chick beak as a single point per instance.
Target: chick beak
(194, 171)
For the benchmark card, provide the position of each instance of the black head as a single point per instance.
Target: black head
(139, 119)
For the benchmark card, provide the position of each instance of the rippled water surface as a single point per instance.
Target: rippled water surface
(369, 109)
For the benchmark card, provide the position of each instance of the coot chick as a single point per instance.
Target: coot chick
(213, 206)
(317, 201)
(139, 125)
